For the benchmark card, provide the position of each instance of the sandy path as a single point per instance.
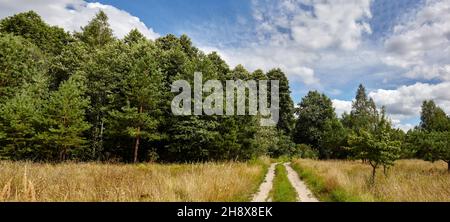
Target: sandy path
(304, 194)
(263, 194)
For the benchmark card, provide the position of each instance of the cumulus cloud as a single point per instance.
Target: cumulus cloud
(405, 102)
(296, 35)
(342, 106)
(313, 24)
(73, 14)
(421, 44)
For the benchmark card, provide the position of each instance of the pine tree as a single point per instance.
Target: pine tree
(20, 121)
(133, 37)
(364, 114)
(64, 118)
(432, 137)
(97, 32)
(29, 25)
(142, 90)
(433, 118)
(20, 61)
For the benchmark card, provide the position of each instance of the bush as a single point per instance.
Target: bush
(306, 152)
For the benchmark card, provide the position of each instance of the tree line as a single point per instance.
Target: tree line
(89, 96)
(366, 133)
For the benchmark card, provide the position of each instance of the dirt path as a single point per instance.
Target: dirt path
(266, 186)
(304, 194)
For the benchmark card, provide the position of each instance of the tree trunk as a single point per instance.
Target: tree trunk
(374, 171)
(448, 166)
(138, 139)
(62, 154)
(136, 145)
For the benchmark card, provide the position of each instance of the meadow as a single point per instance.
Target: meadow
(80, 182)
(406, 181)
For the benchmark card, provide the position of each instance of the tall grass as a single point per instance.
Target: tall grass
(22, 181)
(408, 180)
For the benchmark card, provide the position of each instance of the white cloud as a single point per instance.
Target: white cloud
(342, 106)
(292, 37)
(405, 127)
(269, 57)
(405, 102)
(305, 74)
(313, 24)
(73, 14)
(421, 44)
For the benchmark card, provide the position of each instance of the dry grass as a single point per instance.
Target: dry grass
(20, 181)
(408, 180)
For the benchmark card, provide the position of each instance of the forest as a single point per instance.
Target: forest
(88, 96)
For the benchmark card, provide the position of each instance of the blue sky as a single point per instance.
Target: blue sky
(397, 48)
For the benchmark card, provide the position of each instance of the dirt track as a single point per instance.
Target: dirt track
(304, 194)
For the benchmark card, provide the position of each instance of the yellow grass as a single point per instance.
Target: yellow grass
(21, 181)
(408, 180)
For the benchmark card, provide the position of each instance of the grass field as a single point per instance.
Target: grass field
(408, 180)
(282, 190)
(20, 181)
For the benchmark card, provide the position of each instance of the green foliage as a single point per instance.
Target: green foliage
(333, 142)
(29, 25)
(141, 91)
(433, 118)
(20, 60)
(314, 111)
(431, 140)
(64, 115)
(437, 145)
(377, 149)
(90, 96)
(286, 121)
(364, 114)
(73, 58)
(20, 121)
(97, 33)
(134, 37)
(304, 151)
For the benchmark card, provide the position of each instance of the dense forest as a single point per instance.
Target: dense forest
(88, 96)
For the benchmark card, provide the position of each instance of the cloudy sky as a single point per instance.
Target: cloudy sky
(399, 49)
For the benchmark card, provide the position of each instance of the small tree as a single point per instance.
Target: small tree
(378, 150)
(437, 147)
(433, 135)
(142, 90)
(20, 120)
(64, 117)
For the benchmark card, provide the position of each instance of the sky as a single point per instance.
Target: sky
(399, 49)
